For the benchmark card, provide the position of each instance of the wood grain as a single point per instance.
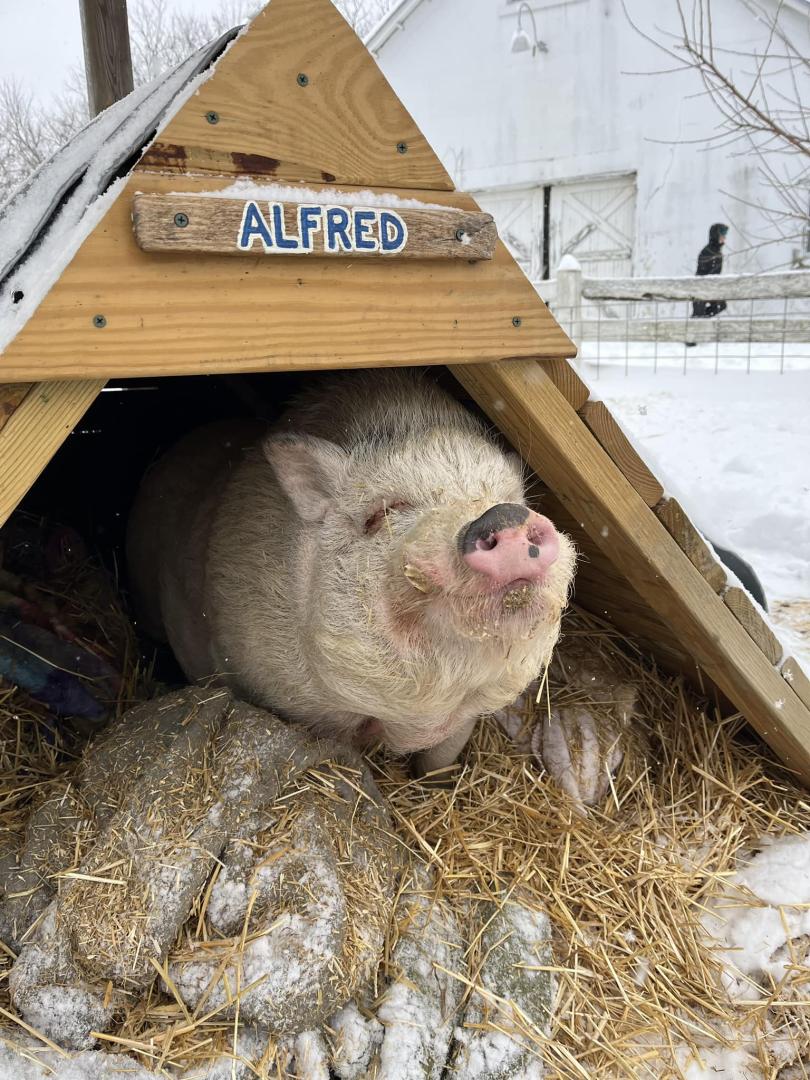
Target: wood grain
(344, 125)
(600, 422)
(171, 314)
(11, 394)
(34, 433)
(565, 378)
(797, 679)
(689, 540)
(526, 405)
(215, 225)
(745, 611)
(107, 59)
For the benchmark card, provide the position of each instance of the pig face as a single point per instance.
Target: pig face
(426, 542)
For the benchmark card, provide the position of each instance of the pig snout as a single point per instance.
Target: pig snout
(509, 543)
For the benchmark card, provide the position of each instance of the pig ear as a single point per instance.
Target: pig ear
(308, 470)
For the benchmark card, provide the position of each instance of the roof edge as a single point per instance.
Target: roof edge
(395, 20)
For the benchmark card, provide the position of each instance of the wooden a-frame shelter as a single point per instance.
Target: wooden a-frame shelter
(295, 101)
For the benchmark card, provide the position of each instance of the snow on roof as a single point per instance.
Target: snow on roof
(391, 23)
(48, 217)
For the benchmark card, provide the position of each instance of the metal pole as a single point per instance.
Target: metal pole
(107, 58)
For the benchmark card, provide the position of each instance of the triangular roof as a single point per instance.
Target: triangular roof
(296, 102)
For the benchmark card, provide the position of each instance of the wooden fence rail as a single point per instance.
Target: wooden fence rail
(567, 293)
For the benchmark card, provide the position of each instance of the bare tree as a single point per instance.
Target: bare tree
(761, 97)
(160, 39)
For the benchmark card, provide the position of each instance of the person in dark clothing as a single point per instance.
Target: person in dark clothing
(710, 261)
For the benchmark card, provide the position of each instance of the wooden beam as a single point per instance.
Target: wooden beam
(298, 97)
(526, 405)
(793, 283)
(249, 227)
(689, 540)
(794, 675)
(107, 59)
(34, 433)
(175, 314)
(565, 378)
(746, 613)
(696, 331)
(621, 450)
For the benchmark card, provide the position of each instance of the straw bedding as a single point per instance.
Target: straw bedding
(640, 989)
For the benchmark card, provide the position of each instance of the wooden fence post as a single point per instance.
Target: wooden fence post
(568, 306)
(107, 59)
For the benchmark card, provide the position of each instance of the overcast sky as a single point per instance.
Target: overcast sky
(40, 40)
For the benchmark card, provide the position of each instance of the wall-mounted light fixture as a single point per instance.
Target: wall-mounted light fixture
(521, 42)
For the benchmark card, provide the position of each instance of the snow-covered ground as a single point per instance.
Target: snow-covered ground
(735, 448)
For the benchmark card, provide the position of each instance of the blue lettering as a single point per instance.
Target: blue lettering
(309, 221)
(253, 224)
(338, 227)
(287, 242)
(363, 238)
(393, 232)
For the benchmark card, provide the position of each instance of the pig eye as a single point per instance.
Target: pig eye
(375, 520)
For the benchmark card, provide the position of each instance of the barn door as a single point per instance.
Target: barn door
(519, 217)
(594, 220)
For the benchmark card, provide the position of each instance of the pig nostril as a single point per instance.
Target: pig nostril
(488, 544)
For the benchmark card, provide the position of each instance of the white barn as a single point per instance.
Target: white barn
(576, 145)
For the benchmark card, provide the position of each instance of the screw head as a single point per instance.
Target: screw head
(517, 321)
(402, 148)
(302, 79)
(212, 117)
(99, 322)
(460, 234)
(181, 220)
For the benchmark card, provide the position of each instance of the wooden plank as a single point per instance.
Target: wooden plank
(793, 284)
(35, 432)
(601, 589)
(794, 675)
(168, 314)
(251, 227)
(695, 331)
(526, 405)
(298, 97)
(107, 59)
(565, 378)
(689, 540)
(745, 611)
(600, 422)
(11, 394)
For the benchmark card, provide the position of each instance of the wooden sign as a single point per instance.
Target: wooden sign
(214, 224)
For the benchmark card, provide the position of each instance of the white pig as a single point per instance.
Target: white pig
(368, 569)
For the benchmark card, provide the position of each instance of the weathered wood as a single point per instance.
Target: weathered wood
(34, 433)
(526, 405)
(598, 418)
(745, 611)
(298, 97)
(168, 314)
(11, 394)
(792, 284)
(198, 224)
(797, 679)
(107, 59)
(680, 528)
(697, 331)
(565, 378)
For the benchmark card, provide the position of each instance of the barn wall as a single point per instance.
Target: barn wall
(500, 119)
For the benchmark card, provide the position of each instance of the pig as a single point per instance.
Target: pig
(368, 568)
